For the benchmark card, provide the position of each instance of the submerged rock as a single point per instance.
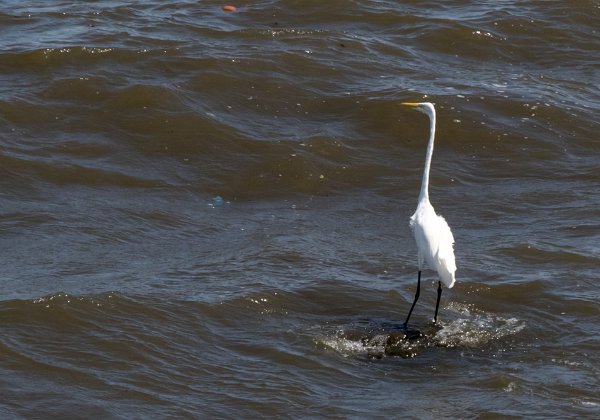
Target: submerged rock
(402, 343)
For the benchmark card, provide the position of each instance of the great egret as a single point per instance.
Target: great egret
(435, 242)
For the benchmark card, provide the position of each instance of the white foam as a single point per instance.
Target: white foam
(476, 330)
(348, 347)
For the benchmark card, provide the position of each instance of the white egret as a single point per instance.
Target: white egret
(435, 242)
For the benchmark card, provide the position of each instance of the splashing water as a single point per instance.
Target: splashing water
(476, 331)
(472, 329)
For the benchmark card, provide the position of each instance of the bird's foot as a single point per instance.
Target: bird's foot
(409, 332)
(436, 324)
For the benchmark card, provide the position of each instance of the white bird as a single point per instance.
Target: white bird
(435, 242)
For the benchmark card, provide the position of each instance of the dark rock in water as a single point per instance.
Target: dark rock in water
(403, 343)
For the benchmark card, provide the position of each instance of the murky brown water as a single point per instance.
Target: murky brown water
(204, 213)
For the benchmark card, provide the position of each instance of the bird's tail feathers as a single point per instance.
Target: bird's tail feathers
(447, 266)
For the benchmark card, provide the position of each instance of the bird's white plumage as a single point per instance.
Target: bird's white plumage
(435, 242)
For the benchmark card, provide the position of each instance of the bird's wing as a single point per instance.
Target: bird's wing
(445, 252)
(413, 225)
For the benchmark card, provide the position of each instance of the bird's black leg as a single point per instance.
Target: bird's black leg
(437, 305)
(415, 301)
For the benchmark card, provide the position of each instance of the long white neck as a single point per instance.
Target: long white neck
(424, 194)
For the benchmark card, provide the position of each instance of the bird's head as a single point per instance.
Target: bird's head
(424, 107)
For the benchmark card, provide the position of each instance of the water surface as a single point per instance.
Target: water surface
(205, 213)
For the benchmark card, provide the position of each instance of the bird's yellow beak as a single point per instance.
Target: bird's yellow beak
(409, 104)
